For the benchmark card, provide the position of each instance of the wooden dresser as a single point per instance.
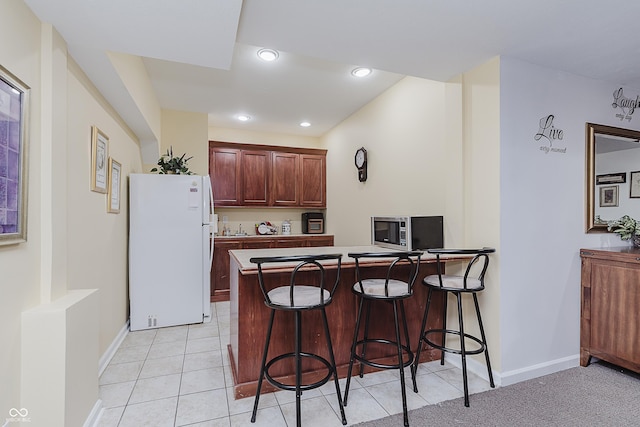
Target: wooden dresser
(610, 306)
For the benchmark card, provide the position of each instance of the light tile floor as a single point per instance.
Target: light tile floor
(180, 376)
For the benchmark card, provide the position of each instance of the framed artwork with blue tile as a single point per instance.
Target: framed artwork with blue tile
(14, 107)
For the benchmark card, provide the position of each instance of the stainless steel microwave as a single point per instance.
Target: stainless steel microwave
(407, 233)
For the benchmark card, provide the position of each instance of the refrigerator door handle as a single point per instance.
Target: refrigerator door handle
(211, 252)
(207, 181)
(210, 197)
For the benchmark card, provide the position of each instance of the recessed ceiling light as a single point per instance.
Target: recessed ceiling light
(361, 72)
(268, 54)
(305, 124)
(243, 117)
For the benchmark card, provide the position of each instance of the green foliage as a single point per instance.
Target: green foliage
(625, 227)
(170, 164)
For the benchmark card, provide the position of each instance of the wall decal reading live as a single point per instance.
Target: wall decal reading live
(626, 105)
(550, 133)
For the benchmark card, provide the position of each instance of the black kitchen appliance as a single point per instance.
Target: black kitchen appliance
(313, 223)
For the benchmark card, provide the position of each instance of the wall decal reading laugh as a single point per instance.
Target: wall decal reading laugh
(549, 132)
(626, 105)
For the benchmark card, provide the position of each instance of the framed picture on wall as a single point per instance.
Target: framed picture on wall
(14, 108)
(113, 195)
(612, 178)
(99, 158)
(609, 196)
(634, 185)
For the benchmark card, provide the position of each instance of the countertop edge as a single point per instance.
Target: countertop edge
(242, 256)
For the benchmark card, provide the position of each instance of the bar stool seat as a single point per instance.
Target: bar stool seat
(472, 282)
(393, 291)
(307, 290)
(378, 287)
(452, 283)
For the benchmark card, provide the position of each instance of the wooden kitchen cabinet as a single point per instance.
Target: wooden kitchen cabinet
(226, 175)
(290, 243)
(610, 306)
(255, 177)
(285, 169)
(269, 176)
(220, 268)
(320, 241)
(222, 246)
(313, 181)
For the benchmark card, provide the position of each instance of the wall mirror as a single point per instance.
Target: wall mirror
(613, 175)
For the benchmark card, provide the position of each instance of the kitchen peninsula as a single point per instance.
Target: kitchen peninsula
(249, 315)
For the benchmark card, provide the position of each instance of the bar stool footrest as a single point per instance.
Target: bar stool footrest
(368, 362)
(303, 387)
(453, 350)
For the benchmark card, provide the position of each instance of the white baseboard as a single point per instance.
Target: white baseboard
(108, 355)
(93, 419)
(539, 370)
(516, 375)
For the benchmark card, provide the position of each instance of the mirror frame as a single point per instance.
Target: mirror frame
(590, 132)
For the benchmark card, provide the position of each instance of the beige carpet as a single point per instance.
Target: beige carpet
(598, 395)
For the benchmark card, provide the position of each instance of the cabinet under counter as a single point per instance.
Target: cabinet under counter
(249, 316)
(223, 244)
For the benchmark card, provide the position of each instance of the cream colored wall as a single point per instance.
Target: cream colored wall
(433, 149)
(481, 134)
(135, 78)
(404, 132)
(144, 109)
(72, 243)
(187, 133)
(20, 264)
(97, 239)
(249, 137)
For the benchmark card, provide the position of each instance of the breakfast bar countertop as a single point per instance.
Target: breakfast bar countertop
(242, 256)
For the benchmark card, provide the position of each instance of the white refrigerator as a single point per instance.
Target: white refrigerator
(170, 250)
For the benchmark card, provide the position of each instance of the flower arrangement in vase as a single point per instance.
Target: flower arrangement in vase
(170, 164)
(627, 228)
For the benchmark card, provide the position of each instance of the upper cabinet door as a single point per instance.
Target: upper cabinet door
(313, 180)
(264, 175)
(226, 176)
(285, 168)
(255, 175)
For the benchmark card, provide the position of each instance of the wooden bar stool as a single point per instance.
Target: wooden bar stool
(307, 290)
(390, 290)
(471, 283)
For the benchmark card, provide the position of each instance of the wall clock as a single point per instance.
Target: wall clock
(361, 163)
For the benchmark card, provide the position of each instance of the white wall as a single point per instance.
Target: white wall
(543, 213)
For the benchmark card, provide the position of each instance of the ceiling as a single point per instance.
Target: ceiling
(201, 54)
